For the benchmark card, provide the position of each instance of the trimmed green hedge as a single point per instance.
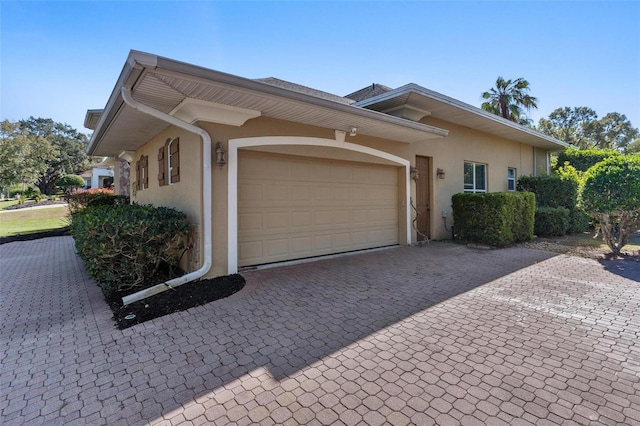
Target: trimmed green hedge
(551, 221)
(550, 190)
(124, 245)
(554, 192)
(583, 159)
(496, 219)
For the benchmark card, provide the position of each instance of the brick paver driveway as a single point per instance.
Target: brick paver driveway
(434, 335)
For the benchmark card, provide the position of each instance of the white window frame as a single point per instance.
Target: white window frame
(475, 189)
(512, 179)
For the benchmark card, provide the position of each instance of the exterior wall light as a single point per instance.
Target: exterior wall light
(221, 155)
(354, 131)
(414, 173)
(440, 173)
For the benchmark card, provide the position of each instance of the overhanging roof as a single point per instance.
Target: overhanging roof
(164, 84)
(454, 111)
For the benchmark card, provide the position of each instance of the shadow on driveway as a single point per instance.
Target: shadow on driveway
(628, 268)
(395, 335)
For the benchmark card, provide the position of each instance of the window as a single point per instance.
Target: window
(511, 179)
(169, 162)
(142, 172)
(173, 150)
(475, 177)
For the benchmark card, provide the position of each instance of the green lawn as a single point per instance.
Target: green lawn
(7, 203)
(26, 221)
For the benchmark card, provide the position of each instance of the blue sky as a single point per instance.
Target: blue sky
(60, 58)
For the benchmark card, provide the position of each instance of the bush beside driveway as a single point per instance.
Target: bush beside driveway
(441, 334)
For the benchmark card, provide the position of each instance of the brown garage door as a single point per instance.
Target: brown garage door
(296, 207)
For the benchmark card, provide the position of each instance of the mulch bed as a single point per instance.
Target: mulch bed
(175, 300)
(180, 298)
(34, 204)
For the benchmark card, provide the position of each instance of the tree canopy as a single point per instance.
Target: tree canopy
(611, 194)
(509, 98)
(581, 127)
(70, 182)
(20, 155)
(40, 151)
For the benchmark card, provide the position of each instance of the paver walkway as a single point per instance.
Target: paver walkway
(435, 335)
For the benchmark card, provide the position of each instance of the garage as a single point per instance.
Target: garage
(294, 207)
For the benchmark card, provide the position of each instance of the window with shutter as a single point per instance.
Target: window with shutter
(138, 177)
(145, 171)
(174, 161)
(142, 173)
(162, 176)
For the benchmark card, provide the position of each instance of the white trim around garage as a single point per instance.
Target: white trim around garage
(232, 164)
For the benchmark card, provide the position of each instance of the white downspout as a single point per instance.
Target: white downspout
(206, 198)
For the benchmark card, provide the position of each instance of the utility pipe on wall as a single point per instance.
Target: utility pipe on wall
(206, 198)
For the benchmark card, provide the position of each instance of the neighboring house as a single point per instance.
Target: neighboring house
(269, 171)
(95, 178)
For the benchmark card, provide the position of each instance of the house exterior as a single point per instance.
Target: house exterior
(270, 171)
(95, 178)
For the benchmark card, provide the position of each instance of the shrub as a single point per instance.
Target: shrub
(550, 190)
(80, 199)
(28, 192)
(497, 219)
(551, 221)
(558, 190)
(70, 182)
(583, 159)
(108, 200)
(579, 221)
(124, 245)
(611, 195)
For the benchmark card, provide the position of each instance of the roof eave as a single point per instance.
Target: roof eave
(268, 89)
(137, 62)
(414, 88)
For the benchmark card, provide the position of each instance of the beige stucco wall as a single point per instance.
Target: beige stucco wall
(449, 153)
(271, 127)
(184, 195)
(465, 144)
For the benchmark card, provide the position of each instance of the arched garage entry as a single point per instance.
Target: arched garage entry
(284, 207)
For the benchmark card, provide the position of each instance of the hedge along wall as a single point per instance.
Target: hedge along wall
(554, 192)
(496, 219)
(124, 245)
(550, 190)
(583, 159)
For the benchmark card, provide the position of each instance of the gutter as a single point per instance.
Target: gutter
(206, 198)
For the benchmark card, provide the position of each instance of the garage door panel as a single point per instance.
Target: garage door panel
(278, 169)
(299, 207)
(343, 240)
(277, 220)
(276, 247)
(251, 251)
(322, 172)
(302, 245)
(300, 194)
(301, 218)
(250, 221)
(250, 192)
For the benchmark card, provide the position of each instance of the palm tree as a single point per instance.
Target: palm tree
(508, 98)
